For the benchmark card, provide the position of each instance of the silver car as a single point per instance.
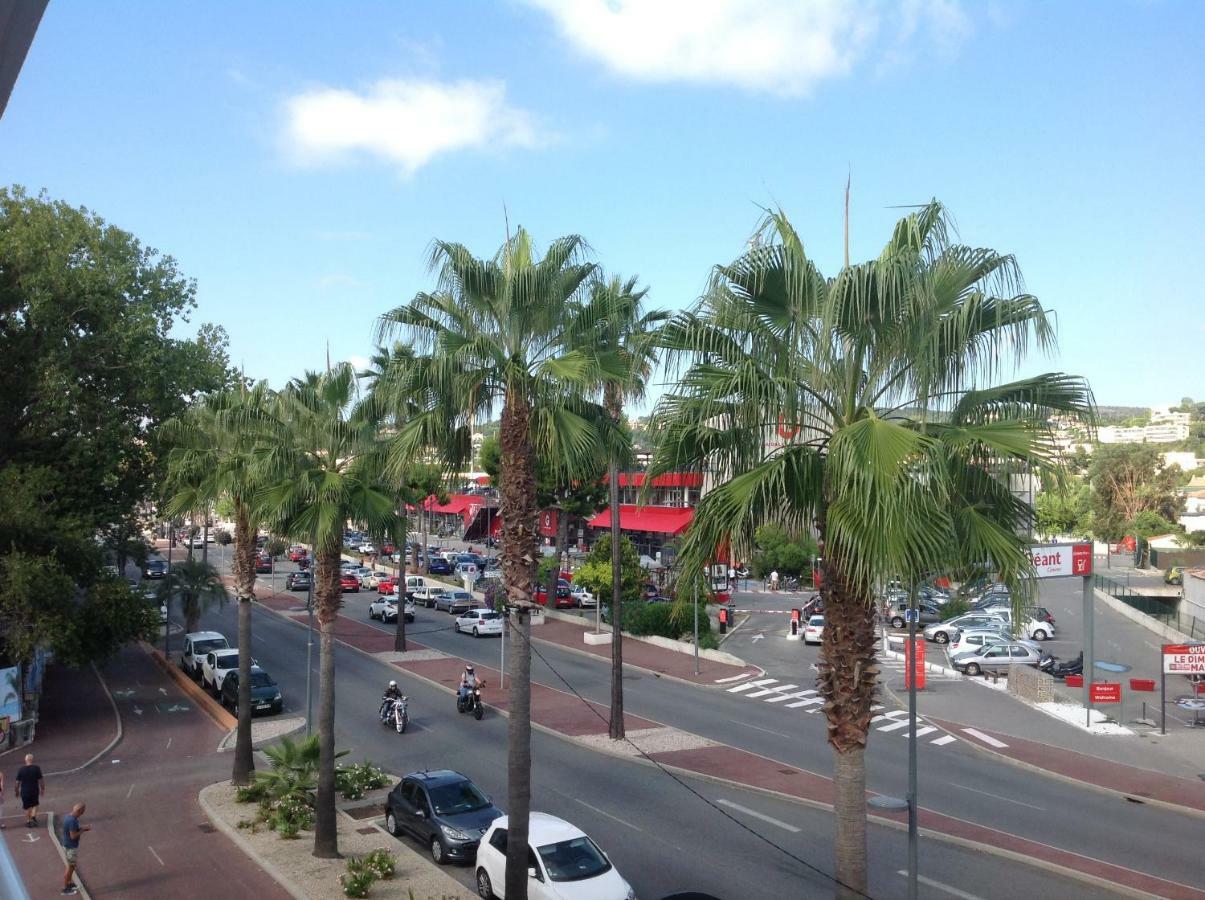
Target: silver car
(944, 632)
(997, 658)
(974, 640)
(455, 601)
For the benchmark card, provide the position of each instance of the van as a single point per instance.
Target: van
(196, 645)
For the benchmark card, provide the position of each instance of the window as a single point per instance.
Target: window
(458, 797)
(1019, 652)
(498, 840)
(410, 793)
(574, 859)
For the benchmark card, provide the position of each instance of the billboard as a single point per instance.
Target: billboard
(10, 693)
(1184, 659)
(1060, 560)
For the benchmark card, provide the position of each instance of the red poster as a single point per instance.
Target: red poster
(1081, 559)
(914, 665)
(1106, 692)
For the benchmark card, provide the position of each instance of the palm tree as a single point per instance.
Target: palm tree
(323, 467)
(624, 339)
(210, 459)
(199, 587)
(864, 408)
(500, 332)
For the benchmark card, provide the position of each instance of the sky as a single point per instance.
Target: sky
(297, 160)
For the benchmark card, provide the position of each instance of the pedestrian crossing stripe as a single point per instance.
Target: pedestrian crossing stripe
(751, 684)
(773, 690)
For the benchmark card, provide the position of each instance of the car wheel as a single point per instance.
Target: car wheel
(437, 851)
(391, 824)
(485, 890)
(941, 637)
(1039, 635)
(897, 622)
(972, 669)
(456, 627)
(475, 634)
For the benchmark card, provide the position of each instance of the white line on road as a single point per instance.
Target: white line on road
(169, 744)
(899, 723)
(792, 696)
(773, 690)
(156, 855)
(942, 741)
(921, 732)
(952, 891)
(997, 796)
(602, 812)
(751, 684)
(986, 738)
(733, 678)
(811, 701)
(752, 812)
(130, 791)
(759, 728)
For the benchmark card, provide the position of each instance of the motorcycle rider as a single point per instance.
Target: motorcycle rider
(393, 692)
(468, 681)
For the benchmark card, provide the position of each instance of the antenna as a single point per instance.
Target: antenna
(848, 179)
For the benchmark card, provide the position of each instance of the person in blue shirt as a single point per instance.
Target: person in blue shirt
(72, 829)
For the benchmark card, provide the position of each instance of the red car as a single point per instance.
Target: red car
(387, 585)
(564, 598)
(297, 554)
(263, 565)
(349, 583)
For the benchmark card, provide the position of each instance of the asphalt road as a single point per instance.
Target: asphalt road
(660, 832)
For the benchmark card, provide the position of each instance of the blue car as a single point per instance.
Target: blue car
(440, 567)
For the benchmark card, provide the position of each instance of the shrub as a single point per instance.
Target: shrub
(708, 641)
(289, 814)
(354, 781)
(955, 606)
(358, 879)
(381, 863)
(254, 792)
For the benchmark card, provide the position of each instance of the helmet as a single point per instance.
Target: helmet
(393, 684)
(468, 667)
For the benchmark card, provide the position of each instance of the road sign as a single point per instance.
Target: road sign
(1106, 692)
(1060, 560)
(912, 615)
(1184, 659)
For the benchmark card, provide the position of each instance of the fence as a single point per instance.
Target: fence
(1165, 609)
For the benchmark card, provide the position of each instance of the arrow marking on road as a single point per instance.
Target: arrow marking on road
(129, 692)
(757, 637)
(163, 691)
(137, 710)
(31, 838)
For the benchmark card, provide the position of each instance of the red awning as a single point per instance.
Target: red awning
(482, 479)
(669, 479)
(456, 505)
(661, 519)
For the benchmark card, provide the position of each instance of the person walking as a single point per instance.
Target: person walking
(30, 788)
(774, 580)
(2, 825)
(72, 829)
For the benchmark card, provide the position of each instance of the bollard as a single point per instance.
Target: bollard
(795, 616)
(723, 620)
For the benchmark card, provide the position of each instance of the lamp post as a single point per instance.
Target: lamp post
(309, 644)
(910, 662)
(696, 628)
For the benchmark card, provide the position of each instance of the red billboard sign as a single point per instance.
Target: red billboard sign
(1184, 659)
(1106, 692)
(1059, 560)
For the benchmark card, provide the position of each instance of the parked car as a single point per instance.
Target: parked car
(562, 862)
(997, 658)
(1031, 626)
(387, 584)
(439, 567)
(298, 581)
(973, 641)
(154, 568)
(993, 593)
(478, 622)
(363, 573)
(367, 549)
(263, 564)
(444, 811)
(583, 597)
(196, 645)
(1174, 575)
(427, 595)
(265, 693)
(944, 632)
(349, 583)
(813, 631)
(297, 553)
(455, 601)
(896, 605)
(370, 578)
(215, 667)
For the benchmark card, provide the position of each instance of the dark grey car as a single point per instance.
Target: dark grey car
(443, 810)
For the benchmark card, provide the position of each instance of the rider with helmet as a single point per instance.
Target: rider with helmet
(393, 692)
(468, 681)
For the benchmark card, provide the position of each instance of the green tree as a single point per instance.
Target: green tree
(1063, 510)
(780, 551)
(198, 587)
(861, 405)
(1128, 479)
(596, 574)
(323, 466)
(498, 332)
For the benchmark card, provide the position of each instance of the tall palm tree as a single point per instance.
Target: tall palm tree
(864, 408)
(199, 587)
(499, 332)
(324, 467)
(624, 339)
(209, 460)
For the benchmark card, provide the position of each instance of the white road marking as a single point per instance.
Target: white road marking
(156, 855)
(169, 744)
(811, 701)
(952, 891)
(130, 791)
(997, 796)
(921, 732)
(752, 812)
(773, 690)
(731, 678)
(751, 684)
(603, 812)
(986, 738)
(792, 696)
(942, 741)
(894, 725)
(759, 728)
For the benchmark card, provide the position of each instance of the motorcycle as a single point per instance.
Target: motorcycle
(397, 713)
(471, 702)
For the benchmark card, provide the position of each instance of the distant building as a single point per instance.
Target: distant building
(1187, 462)
(1161, 433)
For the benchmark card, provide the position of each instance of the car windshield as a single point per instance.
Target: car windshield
(205, 646)
(816, 620)
(573, 860)
(461, 797)
(489, 615)
(261, 679)
(223, 661)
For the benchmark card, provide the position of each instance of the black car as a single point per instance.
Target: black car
(443, 810)
(298, 581)
(265, 693)
(155, 568)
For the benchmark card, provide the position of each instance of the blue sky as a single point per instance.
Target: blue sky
(298, 159)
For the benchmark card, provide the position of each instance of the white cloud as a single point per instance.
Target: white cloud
(779, 46)
(359, 363)
(407, 122)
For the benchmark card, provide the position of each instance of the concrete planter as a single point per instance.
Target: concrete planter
(603, 637)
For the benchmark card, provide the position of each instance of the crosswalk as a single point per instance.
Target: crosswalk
(808, 700)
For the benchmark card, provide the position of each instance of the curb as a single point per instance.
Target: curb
(235, 838)
(113, 743)
(227, 743)
(220, 717)
(58, 846)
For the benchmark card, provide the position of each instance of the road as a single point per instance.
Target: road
(623, 804)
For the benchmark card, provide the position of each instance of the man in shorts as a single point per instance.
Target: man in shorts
(72, 829)
(30, 788)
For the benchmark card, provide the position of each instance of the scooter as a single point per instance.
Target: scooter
(397, 713)
(471, 702)
(1073, 667)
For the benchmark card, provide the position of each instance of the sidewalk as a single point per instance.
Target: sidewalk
(149, 839)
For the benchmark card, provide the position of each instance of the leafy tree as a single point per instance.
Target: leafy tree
(198, 586)
(499, 332)
(1063, 510)
(1128, 479)
(595, 574)
(862, 405)
(779, 551)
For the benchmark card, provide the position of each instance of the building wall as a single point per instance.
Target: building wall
(1193, 603)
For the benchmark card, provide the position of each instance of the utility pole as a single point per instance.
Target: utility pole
(309, 644)
(910, 660)
(696, 628)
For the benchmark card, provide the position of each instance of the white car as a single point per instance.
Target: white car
(196, 645)
(583, 597)
(364, 574)
(367, 549)
(478, 622)
(813, 631)
(385, 609)
(564, 863)
(428, 594)
(216, 666)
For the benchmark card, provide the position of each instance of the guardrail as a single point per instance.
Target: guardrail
(1164, 609)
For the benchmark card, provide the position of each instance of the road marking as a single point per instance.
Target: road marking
(772, 690)
(795, 696)
(130, 791)
(997, 796)
(921, 732)
(31, 838)
(986, 738)
(942, 741)
(169, 744)
(751, 684)
(732, 678)
(811, 701)
(156, 855)
(759, 728)
(894, 725)
(952, 891)
(752, 812)
(137, 711)
(602, 812)
(757, 637)
(889, 715)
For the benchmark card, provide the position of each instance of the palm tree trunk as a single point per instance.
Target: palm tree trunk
(191, 610)
(244, 586)
(848, 674)
(327, 596)
(518, 490)
(424, 517)
(614, 406)
(399, 635)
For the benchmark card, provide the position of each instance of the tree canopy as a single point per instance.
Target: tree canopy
(1129, 479)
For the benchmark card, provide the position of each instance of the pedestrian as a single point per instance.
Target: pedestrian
(72, 829)
(774, 580)
(30, 787)
(2, 825)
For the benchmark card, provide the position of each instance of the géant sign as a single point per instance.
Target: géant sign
(1060, 560)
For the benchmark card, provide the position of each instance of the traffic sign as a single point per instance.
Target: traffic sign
(1106, 692)
(1184, 659)
(912, 615)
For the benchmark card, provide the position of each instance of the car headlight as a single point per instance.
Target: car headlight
(631, 893)
(276, 699)
(454, 834)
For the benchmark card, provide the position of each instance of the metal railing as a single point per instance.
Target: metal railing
(1165, 609)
